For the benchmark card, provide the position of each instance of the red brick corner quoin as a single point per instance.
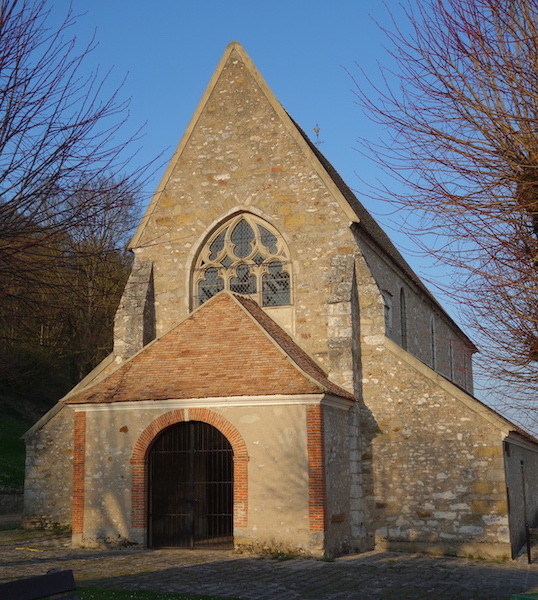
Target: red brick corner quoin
(316, 467)
(139, 470)
(79, 455)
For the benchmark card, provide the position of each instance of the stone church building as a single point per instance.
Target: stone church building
(281, 380)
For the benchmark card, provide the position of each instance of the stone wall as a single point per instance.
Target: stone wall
(429, 333)
(338, 481)
(433, 470)
(134, 325)
(438, 469)
(49, 471)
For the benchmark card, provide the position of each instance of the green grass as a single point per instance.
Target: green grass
(94, 593)
(11, 453)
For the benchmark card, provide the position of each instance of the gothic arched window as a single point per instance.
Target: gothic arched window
(246, 256)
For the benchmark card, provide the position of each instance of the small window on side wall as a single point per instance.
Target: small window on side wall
(403, 319)
(433, 348)
(246, 256)
(387, 299)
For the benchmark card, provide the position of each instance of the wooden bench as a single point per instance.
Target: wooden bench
(59, 585)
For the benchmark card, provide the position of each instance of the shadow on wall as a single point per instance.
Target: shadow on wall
(369, 431)
(113, 530)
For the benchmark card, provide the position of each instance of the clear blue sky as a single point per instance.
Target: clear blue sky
(170, 48)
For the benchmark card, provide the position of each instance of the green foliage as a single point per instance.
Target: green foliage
(94, 593)
(11, 453)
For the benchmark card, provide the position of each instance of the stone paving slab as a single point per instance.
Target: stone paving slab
(369, 576)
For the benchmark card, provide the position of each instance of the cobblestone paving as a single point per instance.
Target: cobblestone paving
(370, 576)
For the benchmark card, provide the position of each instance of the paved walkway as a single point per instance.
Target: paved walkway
(370, 576)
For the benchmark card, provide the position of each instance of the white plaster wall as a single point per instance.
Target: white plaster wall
(275, 437)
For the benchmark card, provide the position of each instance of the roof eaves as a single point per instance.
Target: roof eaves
(370, 228)
(300, 359)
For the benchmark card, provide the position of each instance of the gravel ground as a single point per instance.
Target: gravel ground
(369, 576)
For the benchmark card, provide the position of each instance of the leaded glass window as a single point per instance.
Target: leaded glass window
(275, 285)
(245, 256)
(244, 282)
(211, 284)
(242, 237)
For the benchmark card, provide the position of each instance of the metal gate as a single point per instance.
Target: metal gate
(190, 488)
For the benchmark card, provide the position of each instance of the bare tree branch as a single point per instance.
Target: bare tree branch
(461, 111)
(66, 201)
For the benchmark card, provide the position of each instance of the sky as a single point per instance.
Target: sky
(306, 50)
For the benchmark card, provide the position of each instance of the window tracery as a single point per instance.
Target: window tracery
(245, 256)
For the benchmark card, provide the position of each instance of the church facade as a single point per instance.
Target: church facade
(281, 380)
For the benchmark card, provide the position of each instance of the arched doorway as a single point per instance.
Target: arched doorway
(190, 491)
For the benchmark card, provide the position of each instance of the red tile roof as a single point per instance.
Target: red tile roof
(228, 347)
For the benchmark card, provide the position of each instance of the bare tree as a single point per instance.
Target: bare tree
(57, 129)
(92, 275)
(65, 202)
(461, 110)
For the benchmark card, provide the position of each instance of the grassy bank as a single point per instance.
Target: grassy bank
(12, 452)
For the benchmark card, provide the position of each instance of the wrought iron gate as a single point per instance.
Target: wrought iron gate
(190, 488)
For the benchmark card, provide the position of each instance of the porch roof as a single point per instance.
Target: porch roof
(228, 347)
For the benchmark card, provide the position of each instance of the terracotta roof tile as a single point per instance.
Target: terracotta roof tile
(228, 347)
(295, 352)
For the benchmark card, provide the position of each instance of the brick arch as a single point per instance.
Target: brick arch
(139, 510)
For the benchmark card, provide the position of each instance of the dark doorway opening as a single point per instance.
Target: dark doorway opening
(190, 481)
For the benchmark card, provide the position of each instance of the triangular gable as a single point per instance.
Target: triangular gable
(353, 209)
(235, 52)
(228, 347)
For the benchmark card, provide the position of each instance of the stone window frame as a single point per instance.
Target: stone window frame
(246, 268)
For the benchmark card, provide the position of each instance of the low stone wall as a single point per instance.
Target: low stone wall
(11, 502)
